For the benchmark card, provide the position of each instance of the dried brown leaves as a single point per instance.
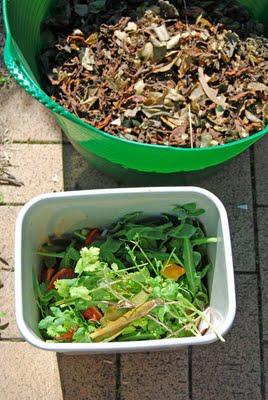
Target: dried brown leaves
(162, 81)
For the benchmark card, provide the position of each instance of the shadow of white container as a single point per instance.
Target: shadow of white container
(64, 212)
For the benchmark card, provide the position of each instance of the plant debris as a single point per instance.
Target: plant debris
(140, 278)
(6, 178)
(161, 73)
(3, 326)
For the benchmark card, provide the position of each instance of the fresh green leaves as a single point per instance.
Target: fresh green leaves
(80, 292)
(82, 335)
(121, 272)
(188, 210)
(89, 261)
(189, 266)
(71, 255)
(59, 322)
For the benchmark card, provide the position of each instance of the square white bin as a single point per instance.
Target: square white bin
(65, 212)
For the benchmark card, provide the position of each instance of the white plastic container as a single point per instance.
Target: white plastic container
(65, 212)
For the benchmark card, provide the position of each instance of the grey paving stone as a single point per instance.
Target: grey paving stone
(242, 236)
(87, 377)
(28, 373)
(232, 183)
(265, 354)
(151, 376)
(231, 370)
(261, 170)
(79, 175)
(7, 305)
(263, 254)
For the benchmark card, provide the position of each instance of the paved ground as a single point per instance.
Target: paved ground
(231, 371)
(236, 370)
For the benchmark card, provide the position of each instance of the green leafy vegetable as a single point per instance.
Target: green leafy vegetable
(121, 289)
(189, 265)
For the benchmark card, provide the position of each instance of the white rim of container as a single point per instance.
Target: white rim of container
(114, 347)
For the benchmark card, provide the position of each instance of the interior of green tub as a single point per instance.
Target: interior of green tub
(24, 19)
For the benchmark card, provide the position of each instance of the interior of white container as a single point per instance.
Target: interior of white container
(66, 212)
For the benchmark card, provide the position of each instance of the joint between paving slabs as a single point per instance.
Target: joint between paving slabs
(11, 204)
(256, 245)
(36, 142)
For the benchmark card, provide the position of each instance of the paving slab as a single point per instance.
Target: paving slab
(25, 118)
(88, 377)
(232, 183)
(262, 216)
(261, 170)
(265, 366)
(7, 305)
(79, 175)
(242, 237)
(231, 370)
(263, 255)
(38, 166)
(7, 233)
(157, 375)
(8, 215)
(28, 373)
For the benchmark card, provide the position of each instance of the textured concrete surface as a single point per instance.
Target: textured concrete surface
(30, 122)
(242, 232)
(28, 373)
(261, 171)
(8, 215)
(38, 167)
(265, 366)
(232, 184)
(7, 232)
(158, 375)
(231, 370)
(7, 305)
(263, 267)
(79, 175)
(88, 377)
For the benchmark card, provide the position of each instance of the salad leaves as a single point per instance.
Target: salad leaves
(141, 278)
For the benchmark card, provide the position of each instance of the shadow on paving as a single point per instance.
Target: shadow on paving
(88, 377)
(231, 182)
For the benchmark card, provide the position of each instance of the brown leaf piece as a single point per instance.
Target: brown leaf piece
(211, 93)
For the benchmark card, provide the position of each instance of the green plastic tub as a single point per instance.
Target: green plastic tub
(121, 158)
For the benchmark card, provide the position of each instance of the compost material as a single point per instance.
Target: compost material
(160, 73)
(140, 278)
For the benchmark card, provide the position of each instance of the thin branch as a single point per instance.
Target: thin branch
(160, 323)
